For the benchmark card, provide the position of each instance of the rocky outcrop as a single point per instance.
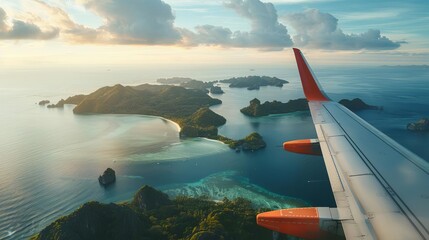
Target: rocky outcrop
(108, 177)
(421, 125)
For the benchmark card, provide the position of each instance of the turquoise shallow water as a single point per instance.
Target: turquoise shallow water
(50, 158)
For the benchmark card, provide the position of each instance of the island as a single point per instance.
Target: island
(216, 90)
(189, 108)
(151, 214)
(252, 142)
(256, 109)
(108, 177)
(254, 82)
(187, 83)
(44, 102)
(421, 125)
(357, 104)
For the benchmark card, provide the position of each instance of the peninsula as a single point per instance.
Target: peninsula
(254, 82)
(151, 214)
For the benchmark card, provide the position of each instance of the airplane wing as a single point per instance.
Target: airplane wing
(381, 189)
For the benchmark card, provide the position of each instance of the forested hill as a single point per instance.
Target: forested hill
(152, 215)
(158, 100)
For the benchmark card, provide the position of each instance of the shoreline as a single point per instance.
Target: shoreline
(178, 128)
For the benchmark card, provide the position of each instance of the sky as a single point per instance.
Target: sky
(59, 33)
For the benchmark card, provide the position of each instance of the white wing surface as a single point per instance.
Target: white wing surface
(381, 189)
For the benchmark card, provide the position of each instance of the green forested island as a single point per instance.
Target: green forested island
(251, 142)
(256, 109)
(188, 107)
(152, 215)
(357, 104)
(254, 82)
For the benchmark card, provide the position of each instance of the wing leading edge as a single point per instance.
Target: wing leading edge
(381, 189)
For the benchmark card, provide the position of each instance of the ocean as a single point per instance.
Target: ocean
(50, 159)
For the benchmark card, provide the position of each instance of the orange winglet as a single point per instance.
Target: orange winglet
(306, 146)
(299, 222)
(309, 82)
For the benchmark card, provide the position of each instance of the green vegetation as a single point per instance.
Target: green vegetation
(202, 123)
(189, 108)
(251, 142)
(256, 109)
(254, 82)
(357, 104)
(152, 215)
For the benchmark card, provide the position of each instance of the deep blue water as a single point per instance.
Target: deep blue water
(50, 158)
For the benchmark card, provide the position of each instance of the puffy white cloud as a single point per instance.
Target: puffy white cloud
(266, 31)
(23, 30)
(316, 29)
(137, 21)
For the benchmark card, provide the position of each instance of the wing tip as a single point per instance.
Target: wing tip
(312, 89)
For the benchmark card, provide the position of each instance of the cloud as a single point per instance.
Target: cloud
(320, 30)
(70, 30)
(137, 21)
(23, 30)
(266, 31)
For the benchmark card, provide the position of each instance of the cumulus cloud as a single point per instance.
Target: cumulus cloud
(316, 29)
(70, 30)
(266, 31)
(23, 30)
(137, 21)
